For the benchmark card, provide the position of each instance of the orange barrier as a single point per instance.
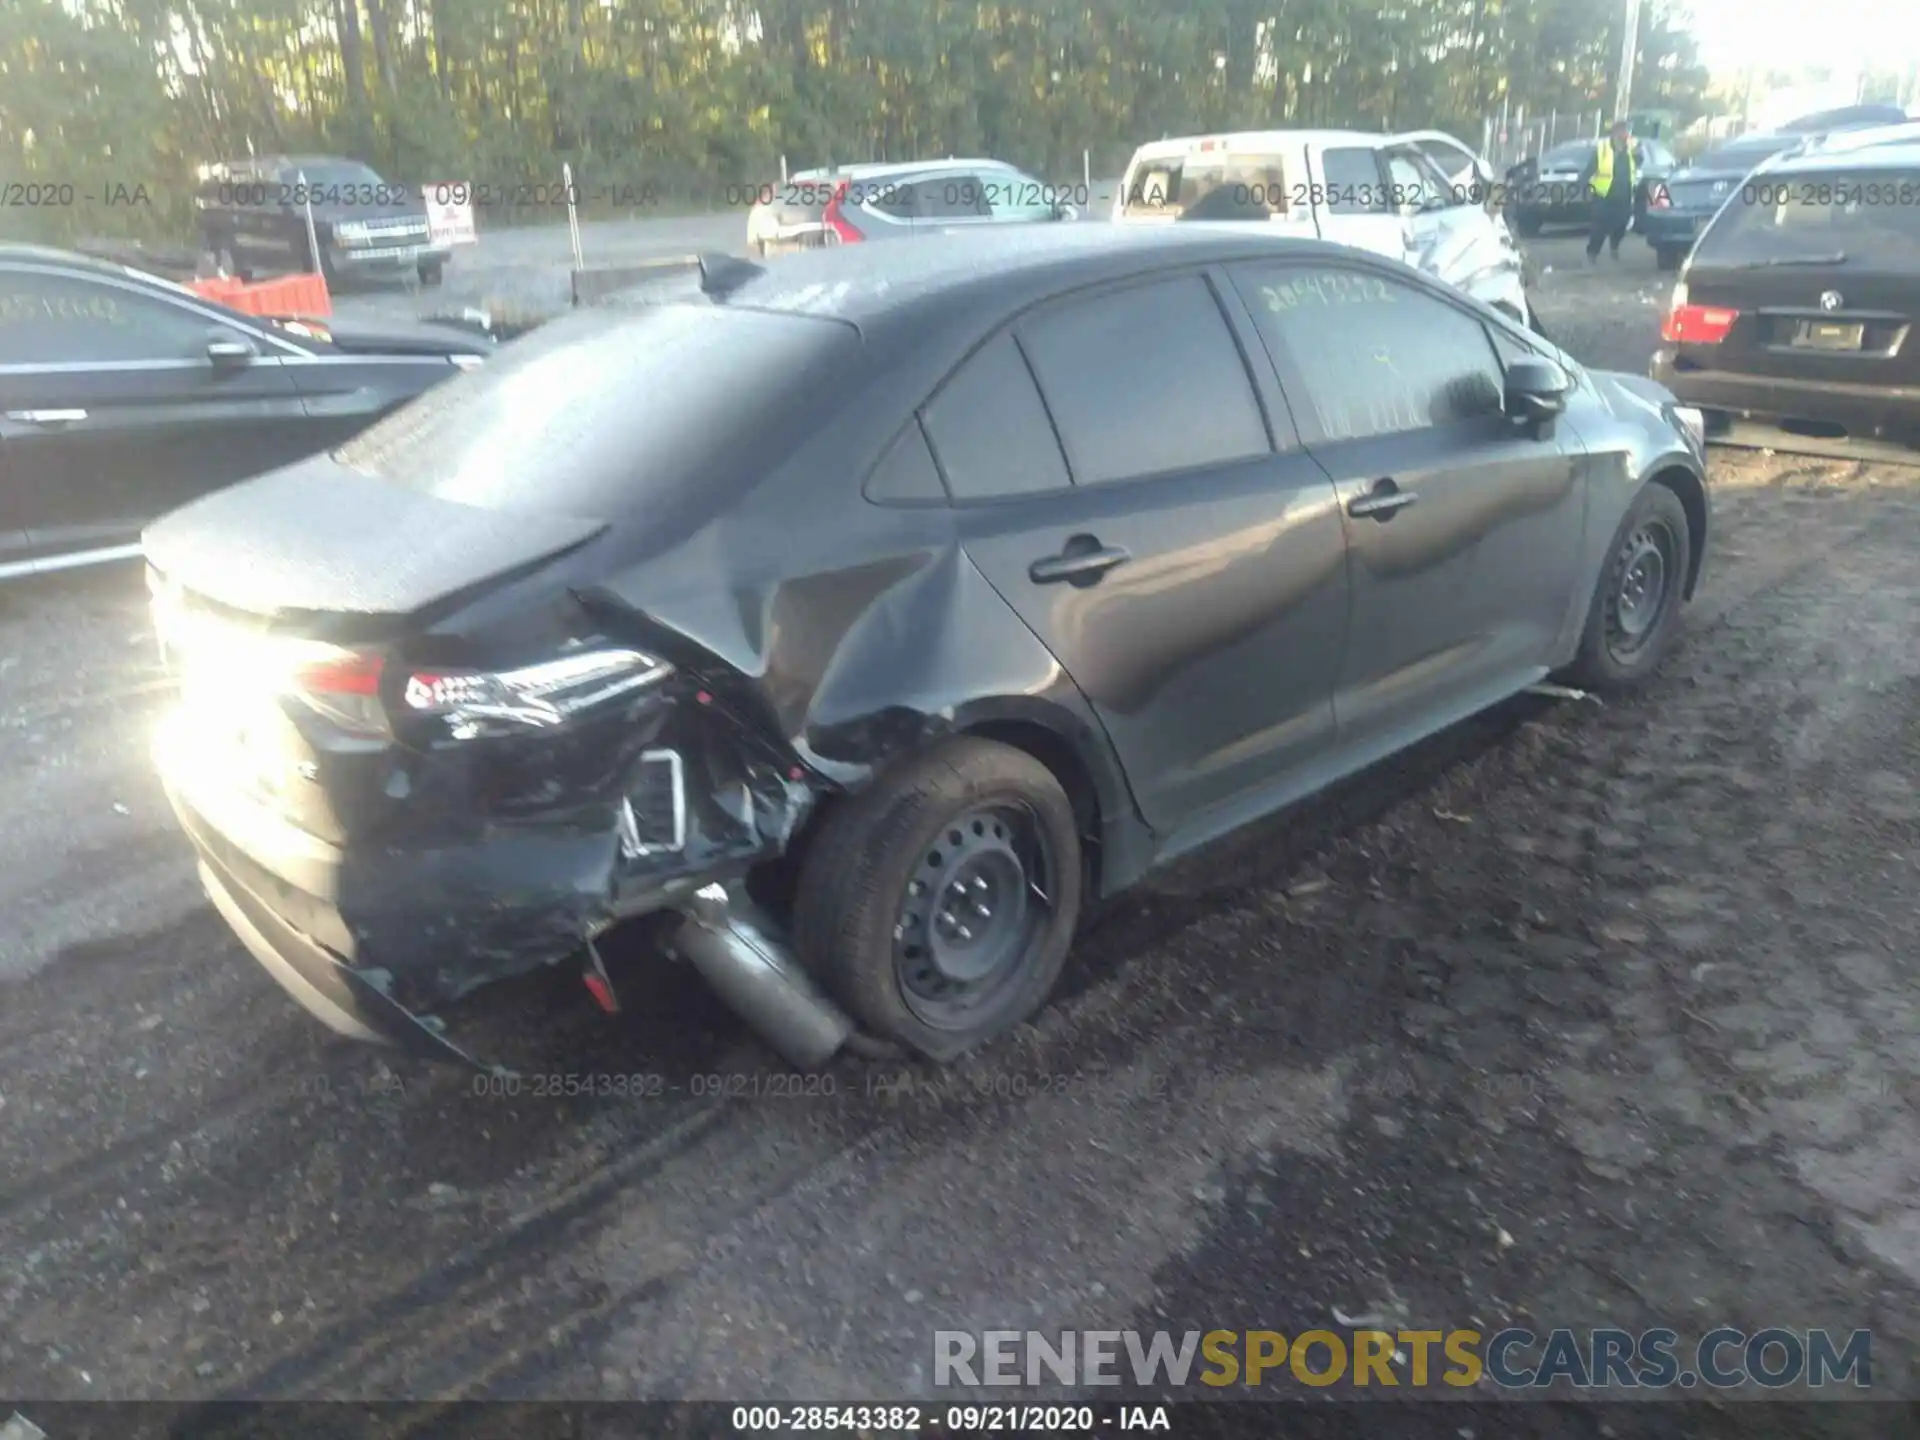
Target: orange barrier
(284, 295)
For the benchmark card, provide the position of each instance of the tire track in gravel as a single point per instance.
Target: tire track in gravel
(422, 1333)
(1565, 1071)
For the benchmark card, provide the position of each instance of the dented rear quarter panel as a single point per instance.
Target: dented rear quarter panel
(866, 639)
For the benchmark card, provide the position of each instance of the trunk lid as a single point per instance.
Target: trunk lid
(320, 538)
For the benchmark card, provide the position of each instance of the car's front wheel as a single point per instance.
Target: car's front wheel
(940, 902)
(1635, 611)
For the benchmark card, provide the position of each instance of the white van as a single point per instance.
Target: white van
(1422, 197)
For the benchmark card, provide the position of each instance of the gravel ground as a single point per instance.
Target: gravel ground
(1576, 1016)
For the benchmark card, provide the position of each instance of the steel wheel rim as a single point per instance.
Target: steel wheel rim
(979, 896)
(1641, 589)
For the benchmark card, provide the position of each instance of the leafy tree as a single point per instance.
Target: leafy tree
(693, 98)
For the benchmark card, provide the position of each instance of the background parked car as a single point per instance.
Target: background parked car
(1845, 117)
(860, 618)
(253, 216)
(857, 203)
(1679, 207)
(123, 395)
(1422, 197)
(1546, 190)
(1797, 322)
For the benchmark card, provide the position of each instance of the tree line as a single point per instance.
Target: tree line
(680, 99)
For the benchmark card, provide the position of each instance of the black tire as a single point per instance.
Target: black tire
(1526, 224)
(1616, 653)
(874, 917)
(432, 273)
(1667, 257)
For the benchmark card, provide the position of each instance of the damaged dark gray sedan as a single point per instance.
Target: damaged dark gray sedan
(861, 617)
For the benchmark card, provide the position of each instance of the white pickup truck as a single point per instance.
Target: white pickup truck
(1422, 197)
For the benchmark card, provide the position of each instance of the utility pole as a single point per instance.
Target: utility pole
(1623, 86)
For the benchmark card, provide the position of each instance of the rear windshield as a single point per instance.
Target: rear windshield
(1568, 155)
(1168, 187)
(1744, 156)
(608, 411)
(332, 172)
(1864, 217)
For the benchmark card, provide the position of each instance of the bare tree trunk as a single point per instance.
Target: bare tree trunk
(378, 23)
(442, 46)
(346, 20)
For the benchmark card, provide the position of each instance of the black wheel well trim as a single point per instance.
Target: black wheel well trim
(1117, 843)
(1692, 494)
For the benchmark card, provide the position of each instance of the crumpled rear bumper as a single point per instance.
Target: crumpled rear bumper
(374, 938)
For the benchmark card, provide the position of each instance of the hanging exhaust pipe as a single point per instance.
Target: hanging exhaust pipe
(735, 948)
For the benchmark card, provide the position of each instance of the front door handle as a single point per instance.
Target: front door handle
(1382, 503)
(46, 417)
(1082, 561)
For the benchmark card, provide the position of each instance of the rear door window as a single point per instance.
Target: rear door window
(958, 196)
(1145, 380)
(1354, 183)
(1864, 219)
(906, 474)
(990, 431)
(1167, 188)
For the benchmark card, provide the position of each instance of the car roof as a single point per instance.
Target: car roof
(991, 272)
(1233, 141)
(23, 254)
(1891, 154)
(879, 169)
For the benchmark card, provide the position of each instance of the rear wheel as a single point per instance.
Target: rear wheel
(939, 904)
(1636, 603)
(431, 273)
(1527, 223)
(1668, 257)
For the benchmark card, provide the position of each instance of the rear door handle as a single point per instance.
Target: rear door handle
(1082, 561)
(46, 417)
(1383, 502)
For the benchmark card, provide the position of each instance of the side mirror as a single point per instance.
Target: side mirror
(227, 353)
(1537, 391)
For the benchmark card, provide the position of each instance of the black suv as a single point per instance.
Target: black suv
(253, 215)
(1794, 323)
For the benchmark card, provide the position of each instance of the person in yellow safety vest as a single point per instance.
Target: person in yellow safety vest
(1612, 174)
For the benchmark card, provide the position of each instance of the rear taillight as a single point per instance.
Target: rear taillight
(474, 703)
(835, 219)
(1690, 324)
(343, 686)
